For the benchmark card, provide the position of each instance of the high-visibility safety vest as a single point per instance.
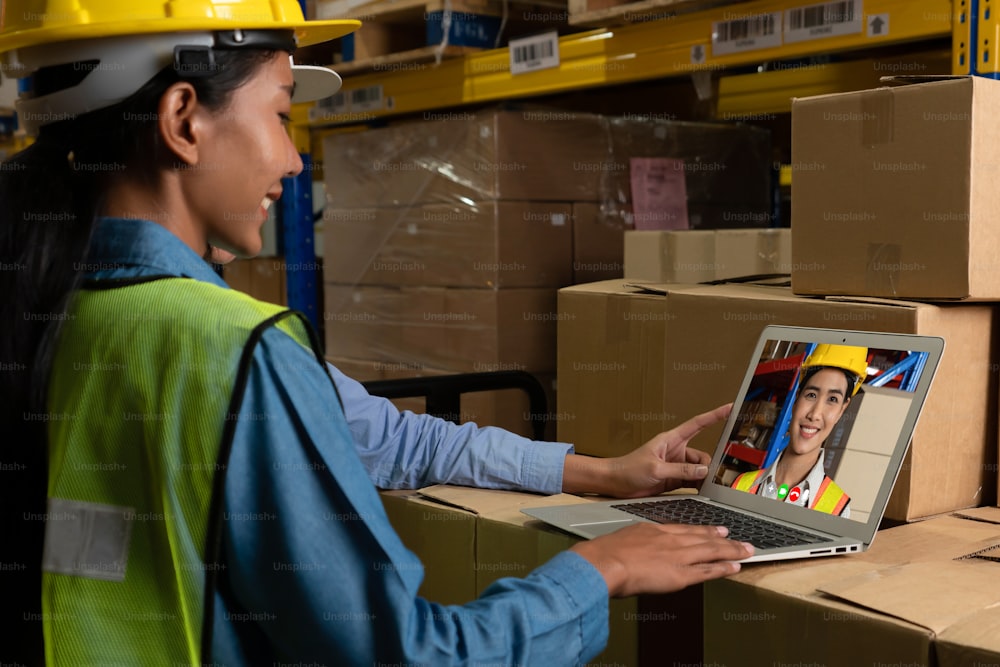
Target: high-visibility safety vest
(829, 498)
(145, 393)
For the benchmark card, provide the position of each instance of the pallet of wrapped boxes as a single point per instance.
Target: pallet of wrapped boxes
(446, 241)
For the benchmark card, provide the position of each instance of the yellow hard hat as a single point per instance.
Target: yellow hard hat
(35, 22)
(132, 40)
(850, 358)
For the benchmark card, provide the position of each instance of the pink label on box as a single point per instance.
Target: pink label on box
(659, 194)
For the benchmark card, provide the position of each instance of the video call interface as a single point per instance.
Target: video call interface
(819, 424)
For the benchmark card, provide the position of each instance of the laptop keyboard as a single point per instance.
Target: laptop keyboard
(759, 532)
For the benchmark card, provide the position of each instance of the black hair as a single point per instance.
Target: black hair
(852, 379)
(52, 193)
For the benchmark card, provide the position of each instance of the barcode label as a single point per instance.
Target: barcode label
(746, 33)
(328, 106)
(366, 99)
(828, 19)
(358, 103)
(530, 54)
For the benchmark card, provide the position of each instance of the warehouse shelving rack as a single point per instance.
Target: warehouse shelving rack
(678, 46)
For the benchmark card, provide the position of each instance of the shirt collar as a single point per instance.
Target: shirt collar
(812, 481)
(123, 247)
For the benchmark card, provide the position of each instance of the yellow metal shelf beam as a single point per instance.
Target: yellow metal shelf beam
(652, 50)
(744, 96)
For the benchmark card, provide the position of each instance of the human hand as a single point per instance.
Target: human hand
(655, 558)
(663, 464)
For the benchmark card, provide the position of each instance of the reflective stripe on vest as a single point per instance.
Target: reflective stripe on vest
(830, 498)
(747, 481)
(146, 387)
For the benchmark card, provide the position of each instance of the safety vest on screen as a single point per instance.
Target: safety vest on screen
(829, 498)
(146, 386)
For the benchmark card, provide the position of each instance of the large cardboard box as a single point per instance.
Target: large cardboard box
(463, 244)
(469, 538)
(510, 155)
(913, 599)
(711, 333)
(453, 329)
(895, 191)
(701, 255)
(610, 367)
(445, 540)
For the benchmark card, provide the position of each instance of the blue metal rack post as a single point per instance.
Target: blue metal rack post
(295, 236)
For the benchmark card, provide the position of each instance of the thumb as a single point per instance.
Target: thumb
(685, 471)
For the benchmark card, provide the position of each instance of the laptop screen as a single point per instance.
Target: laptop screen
(819, 424)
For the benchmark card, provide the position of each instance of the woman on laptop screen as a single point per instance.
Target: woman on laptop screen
(828, 380)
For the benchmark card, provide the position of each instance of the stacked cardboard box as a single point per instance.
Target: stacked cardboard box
(923, 595)
(894, 191)
(446, 241)
(636, 362)
(469, 538)
(705, 255)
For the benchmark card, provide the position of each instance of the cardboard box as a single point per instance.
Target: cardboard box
(445, 540)
(723, 163)
(468, 538)
(463, 244)
(598, 243)
(551, 155)
(453, 329)
(974, 640)
(610, 367)
(509, 543)
(693, 256)
(448, 158)
(712, 332)
(894, 191)
(910, 600)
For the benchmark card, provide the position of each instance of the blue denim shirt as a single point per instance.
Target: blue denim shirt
(313, 569)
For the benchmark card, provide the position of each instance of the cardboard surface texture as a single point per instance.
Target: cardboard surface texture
(598, 244)
(695, 256)
(610, 367)
(916, 597)
(263, 278)
(895, 191)
(454, 329)
(437, 526)
(711, 333)
(511, 155)
(483, 244)
(610, 389)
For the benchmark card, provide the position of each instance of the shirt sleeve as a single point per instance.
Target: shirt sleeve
(407, 450)
(313, 571)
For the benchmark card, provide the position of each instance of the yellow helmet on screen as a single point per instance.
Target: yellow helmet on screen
(849, 358)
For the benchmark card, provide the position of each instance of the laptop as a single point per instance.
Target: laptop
(810, 452)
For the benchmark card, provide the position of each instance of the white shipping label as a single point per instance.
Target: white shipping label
(828, 19)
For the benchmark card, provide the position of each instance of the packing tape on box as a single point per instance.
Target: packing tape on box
(877, 117)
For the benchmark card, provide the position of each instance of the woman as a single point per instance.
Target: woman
(830, 377)
(196, 452)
